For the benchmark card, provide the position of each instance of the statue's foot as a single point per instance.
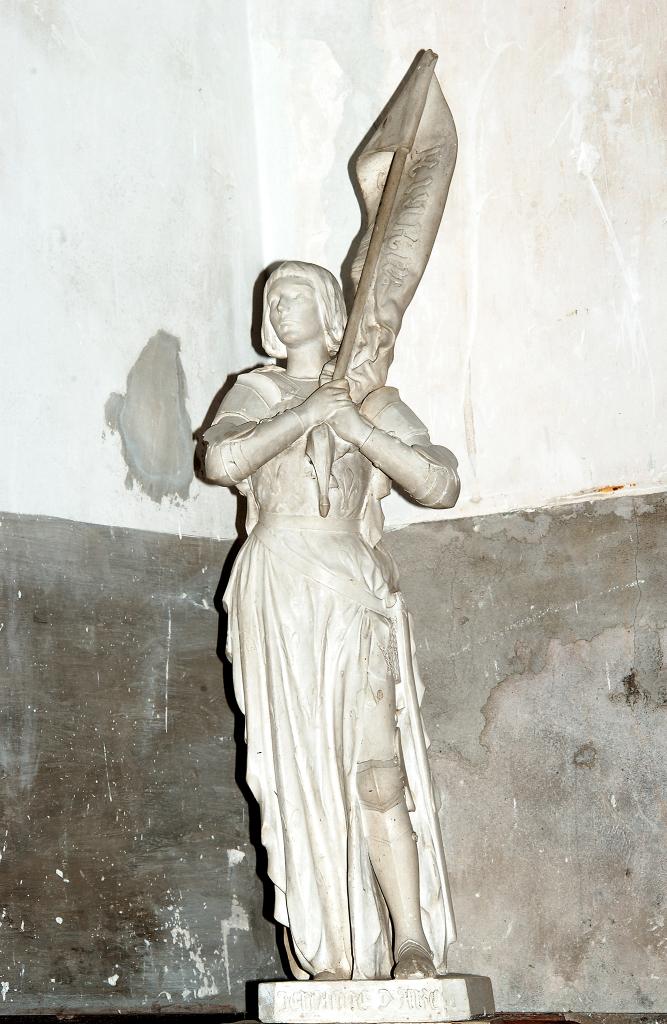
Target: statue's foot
(413, 961)
(331, 976)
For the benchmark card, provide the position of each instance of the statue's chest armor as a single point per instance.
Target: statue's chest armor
(287, 483)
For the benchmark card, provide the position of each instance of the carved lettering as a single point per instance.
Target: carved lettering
(422, 999)
(304, 1001)
(418, 188)
(349, 1002)
(426, 158)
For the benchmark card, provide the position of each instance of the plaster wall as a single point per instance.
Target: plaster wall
(534, 346)
(158, 155)
(129, 211)
(130, 866)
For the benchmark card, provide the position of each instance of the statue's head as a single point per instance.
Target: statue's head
(300, 298)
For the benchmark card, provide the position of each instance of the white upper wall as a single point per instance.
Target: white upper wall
(128, 198)
(159, 155)
(534, 347)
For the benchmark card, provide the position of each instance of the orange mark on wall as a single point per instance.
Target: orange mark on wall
(610, 488)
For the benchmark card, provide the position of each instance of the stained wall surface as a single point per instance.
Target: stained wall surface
(129, 878)
(156, 157)
(155, 164)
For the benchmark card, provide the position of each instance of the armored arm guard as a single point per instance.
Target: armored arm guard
(244, 435)
(400, 446)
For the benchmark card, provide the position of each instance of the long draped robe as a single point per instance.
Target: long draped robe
(316, 621)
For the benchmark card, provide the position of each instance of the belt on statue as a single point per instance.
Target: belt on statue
(330, 524)
(351, 589)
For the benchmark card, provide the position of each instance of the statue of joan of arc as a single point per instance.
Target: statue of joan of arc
(319, 637)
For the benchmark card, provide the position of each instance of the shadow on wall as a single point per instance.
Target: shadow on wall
(240, 772)
(254, 821)
(153, 422)
(257, 299)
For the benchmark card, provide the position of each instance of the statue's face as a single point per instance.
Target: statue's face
(294, 311)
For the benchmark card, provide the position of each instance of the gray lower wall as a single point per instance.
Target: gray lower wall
(129, 878)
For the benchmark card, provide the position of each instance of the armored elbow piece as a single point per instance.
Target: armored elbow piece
(441, 485)
(236, 455)
(426, 471)
(225, 458)
(232, 463)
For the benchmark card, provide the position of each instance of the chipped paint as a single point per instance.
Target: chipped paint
(133, 818)
(166, 673)
(234, 858)
(203, 980)
(237, 920)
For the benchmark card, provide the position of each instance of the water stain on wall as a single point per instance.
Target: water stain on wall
(585, 756)
(153, 421)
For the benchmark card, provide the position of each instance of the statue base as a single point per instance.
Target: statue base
(429, 1001)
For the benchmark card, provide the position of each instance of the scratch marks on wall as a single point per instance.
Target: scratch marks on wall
(106, 770)
(153, 421)
(166, 674)
(598, 77)
(477, 199)
(631, 321)
(19, 750)
(106, 819)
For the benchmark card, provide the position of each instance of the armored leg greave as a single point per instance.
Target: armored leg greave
(392, 849)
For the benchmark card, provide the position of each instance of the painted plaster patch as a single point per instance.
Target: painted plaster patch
(153, 421)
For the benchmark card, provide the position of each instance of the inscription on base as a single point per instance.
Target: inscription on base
(455, 997)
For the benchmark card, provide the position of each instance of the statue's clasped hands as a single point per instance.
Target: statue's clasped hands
(331, 404)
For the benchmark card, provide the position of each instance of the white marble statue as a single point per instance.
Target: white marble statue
(323, 658)
(319, 636)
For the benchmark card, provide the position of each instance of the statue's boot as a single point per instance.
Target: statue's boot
(392, 849)
(413, 961)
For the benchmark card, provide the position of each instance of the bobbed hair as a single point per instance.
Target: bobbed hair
(329, 299)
